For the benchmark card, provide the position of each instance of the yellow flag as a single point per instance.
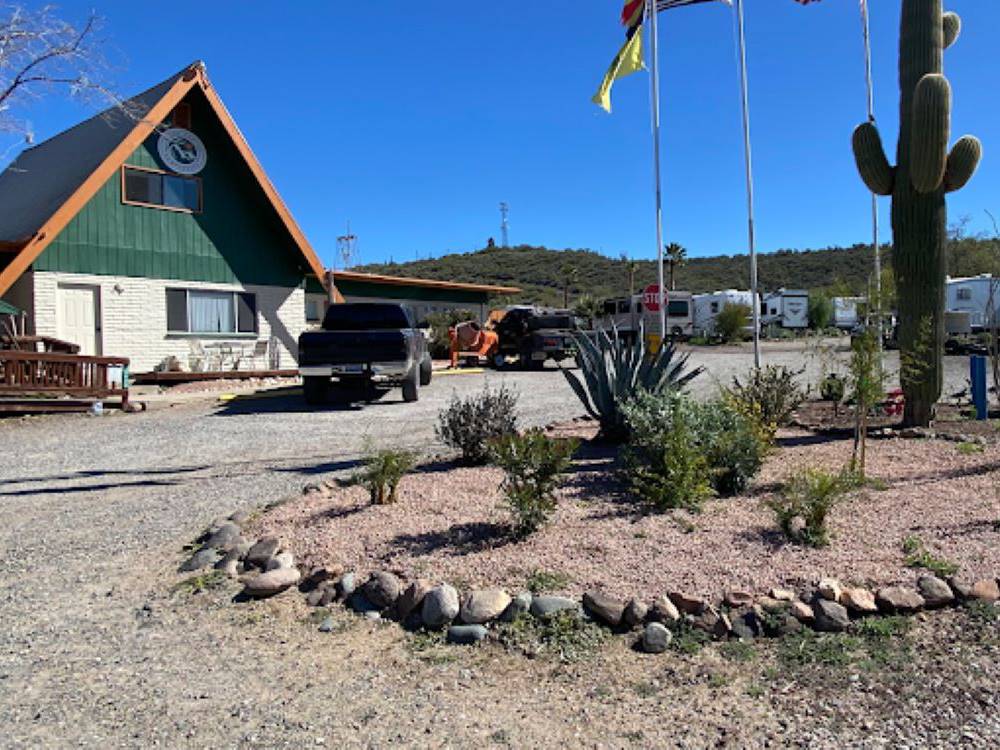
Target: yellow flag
(626, 62)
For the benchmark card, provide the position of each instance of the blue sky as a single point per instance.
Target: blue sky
(414, 120)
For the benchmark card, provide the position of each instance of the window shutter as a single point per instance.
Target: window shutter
(246, 305)
(177, 314)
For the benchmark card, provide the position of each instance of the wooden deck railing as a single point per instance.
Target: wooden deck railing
(36, 373)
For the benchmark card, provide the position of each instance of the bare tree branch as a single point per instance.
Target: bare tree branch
(40, 54)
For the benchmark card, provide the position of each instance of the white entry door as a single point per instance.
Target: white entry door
(78, 317)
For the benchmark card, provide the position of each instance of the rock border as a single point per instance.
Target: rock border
(266, 569)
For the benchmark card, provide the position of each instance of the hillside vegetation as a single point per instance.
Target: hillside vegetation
(543, 273)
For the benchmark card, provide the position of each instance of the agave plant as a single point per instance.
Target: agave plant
(615, 370)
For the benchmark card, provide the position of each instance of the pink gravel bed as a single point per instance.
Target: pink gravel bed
(449, 525)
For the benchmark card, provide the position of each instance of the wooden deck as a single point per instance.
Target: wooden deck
(175, 378)
(45, 378)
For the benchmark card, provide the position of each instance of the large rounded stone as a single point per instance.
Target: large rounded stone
(687, 603)
(382, 589)
(830, 589)
(736, 599)
(831, 617)
(466, 635)
(656, 638)
(201, 559)
(936, 593)
(986, 590)
(898, 600)
(664, 610)
(262, 551)
(411, 598)
(860, 601)
(280, 560)
(485, 605)
(604, 608)
(346, 585)
(440, 606)
(546, 606)
(519, 605)
(272, 582)
(635, 613)
(225, 537)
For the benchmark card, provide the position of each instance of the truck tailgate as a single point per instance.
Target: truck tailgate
(352, 347)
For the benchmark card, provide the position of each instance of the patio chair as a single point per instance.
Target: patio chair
(259, 352)
(196, 356)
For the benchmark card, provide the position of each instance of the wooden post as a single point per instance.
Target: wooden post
(331, 289)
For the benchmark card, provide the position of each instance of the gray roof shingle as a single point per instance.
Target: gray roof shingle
(42, 177)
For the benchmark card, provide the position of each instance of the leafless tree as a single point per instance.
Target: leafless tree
(41, 53)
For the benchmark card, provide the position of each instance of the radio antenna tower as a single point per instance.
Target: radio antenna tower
(504, 211)
(347, 248)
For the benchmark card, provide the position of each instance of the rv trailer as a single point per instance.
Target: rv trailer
(979, 296)
(786, 308)
(708, 306)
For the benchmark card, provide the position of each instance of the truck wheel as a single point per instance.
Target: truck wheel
(315, 389)
(426, 370)
(411, 386)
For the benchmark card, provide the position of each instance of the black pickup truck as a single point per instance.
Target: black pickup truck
(366, 346)
(534, 336)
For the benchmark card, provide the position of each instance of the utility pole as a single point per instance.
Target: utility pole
(504, 211)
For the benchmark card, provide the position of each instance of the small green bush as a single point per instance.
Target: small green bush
(820, 311)
(470, 424)
(663, 463)
(731, 322)
(801, 509)
(918, 557)
(770, 392)
(381, 472)
(533, 464)
(732, 444)
(832, 388)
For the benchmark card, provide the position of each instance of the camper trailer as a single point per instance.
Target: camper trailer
(708, 306)
(845, 312)
(626, 315)
(787, 308)
(977, 295)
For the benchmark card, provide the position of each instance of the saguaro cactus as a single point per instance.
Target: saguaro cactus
(925, 171)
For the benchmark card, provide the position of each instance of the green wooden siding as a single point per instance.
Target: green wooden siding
(238, 238)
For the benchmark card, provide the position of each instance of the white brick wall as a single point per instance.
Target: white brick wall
(134, 317)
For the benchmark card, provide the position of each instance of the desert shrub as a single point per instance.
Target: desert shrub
(732, 444)
(731, 321)
(664, 465)
(533, 464)
(614, 371)
(381, 472)
(832, 388)
(770, 393)
(439, 344)
(470, 424)
(802, 507)
(917, 556)
(820, 311)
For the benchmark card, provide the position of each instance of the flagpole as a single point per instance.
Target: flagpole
(654, 106)
(748, 163)
(871, 118)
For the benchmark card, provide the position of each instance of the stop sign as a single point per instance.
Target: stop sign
(651, 298)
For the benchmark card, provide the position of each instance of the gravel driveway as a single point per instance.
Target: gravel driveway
(96, 651)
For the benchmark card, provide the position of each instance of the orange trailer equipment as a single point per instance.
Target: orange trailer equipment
(469, 339)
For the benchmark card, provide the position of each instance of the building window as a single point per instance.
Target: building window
(146, 187)
(964, 293)
(715, 307)
(314, 309)
(201, 311)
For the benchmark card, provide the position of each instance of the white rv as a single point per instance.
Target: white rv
(845, 312)
(708, 306)
(626, 315)
(787, 308)
(979, 296)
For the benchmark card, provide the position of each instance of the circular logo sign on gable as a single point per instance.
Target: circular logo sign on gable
(182, 151)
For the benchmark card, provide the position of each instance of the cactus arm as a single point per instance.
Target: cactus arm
(931, 132)
(952, 28)
(871, 160)
(962, 162)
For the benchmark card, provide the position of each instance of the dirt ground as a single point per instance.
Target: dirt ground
(96, 649)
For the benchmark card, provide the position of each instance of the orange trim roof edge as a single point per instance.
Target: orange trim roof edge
(430, 283)
(193, 75)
